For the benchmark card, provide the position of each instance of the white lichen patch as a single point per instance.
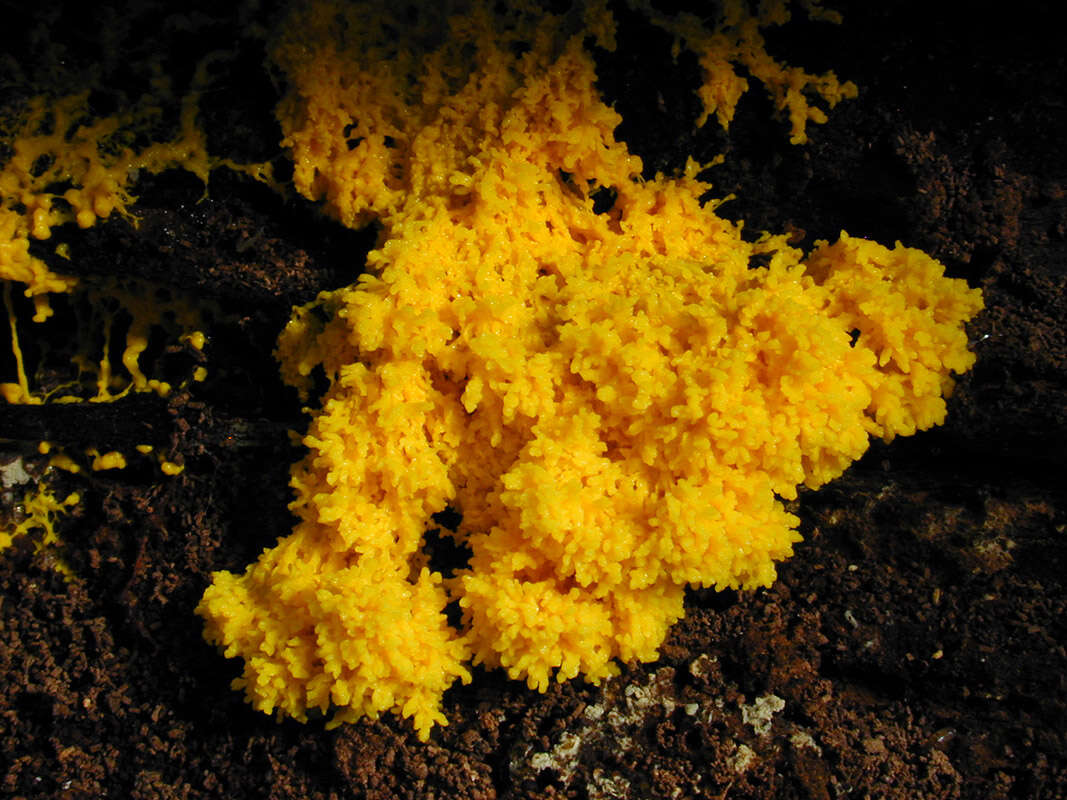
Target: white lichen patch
(742, 758)
(639, 703)
(760, 714)
(700, 666)
(563, 758)
(803, 739)
(642, 698)
(608, 786)
(13, 473)
(611, 723)
(594, 711)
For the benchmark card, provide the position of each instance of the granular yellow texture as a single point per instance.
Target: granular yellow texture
(615, 402)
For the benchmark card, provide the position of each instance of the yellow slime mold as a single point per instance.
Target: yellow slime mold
(615, 401)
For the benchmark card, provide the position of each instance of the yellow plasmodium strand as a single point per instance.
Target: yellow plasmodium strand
(171, 469)
(113, 322)
(96, 461)
(736, 43)
(56, 142)
(112, 459)
(615, 402)
(64, 462)
(39, 512)
(17, 391)
(67, 166)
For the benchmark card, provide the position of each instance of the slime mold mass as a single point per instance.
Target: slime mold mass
(614, 400)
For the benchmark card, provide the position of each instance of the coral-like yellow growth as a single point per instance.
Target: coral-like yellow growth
(615, 401)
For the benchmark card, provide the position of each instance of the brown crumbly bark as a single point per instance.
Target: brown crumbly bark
(914, 647)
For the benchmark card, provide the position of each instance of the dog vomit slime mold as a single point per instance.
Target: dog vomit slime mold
(615, 402)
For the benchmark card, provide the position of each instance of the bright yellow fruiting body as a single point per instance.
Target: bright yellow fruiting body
(615, 402)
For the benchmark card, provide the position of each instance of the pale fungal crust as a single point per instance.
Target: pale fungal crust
(615, 402)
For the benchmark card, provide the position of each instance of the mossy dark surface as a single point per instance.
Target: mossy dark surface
(914, 647)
